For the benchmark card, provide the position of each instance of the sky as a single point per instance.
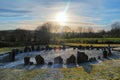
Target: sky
(28, 14)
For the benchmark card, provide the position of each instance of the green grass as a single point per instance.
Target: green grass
(108, 70)
(7, 49)
(90, 40)
(77, 44)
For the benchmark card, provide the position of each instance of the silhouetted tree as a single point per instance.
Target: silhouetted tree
(43, 34)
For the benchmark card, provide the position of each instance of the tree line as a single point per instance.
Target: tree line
(48, 33)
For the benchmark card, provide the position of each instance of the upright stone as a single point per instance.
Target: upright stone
(26, 49)
(42, 48)
(71, 60)
(58, 60)
(64, 48)
(38, 48)
(12, 56)
(98, 48)
(92, 59)
(33, 48)
(50, 63)
(14, 51)
(26, 60)
(39, 60)
(81, 57)
(21, 51)
(74, 48)
(17, 51)
(87, 47)
(80, 47)
(29, 49)
(91, 47)
(105, 53)
(109, 50)
(55, 48)
(47, 47)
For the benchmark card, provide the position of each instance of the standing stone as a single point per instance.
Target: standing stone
(47, 47)
(60, 48)
(98, 48)
(50, 48)
(21, 51)
(64, 48)
(99, 57)
(14, 51)
(50, 63)
(39, 60)
(71, 60)
(74, 48)
(87, 47)
(105, 54)
(42, 48)
(81, 57)
(109, 50)
(91, 47)
(80, 47)
(33, 48)
(26, 49)
(55, 48)
(92, 59)
(38, 48)
(29, 49)
(12, 56)
(58, 60)
(26, 60)
(17, 51)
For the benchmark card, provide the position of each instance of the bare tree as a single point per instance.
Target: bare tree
(43, 34)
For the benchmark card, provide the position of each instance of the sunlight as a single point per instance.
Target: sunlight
(61, 18)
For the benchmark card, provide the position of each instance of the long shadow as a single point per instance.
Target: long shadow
(58, 66)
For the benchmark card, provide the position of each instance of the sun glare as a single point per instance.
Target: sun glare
(61, 17)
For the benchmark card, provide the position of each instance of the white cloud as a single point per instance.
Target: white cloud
(87, 11)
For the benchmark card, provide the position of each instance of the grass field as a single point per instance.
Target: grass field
(96, 45)
(7, 49)
(90, 40)
(108, 70)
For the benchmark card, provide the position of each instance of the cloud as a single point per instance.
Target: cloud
(12, 11)
(35, 12)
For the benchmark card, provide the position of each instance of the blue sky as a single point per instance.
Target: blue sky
(28, 14)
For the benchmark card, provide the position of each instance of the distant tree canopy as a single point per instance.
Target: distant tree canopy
(43, 34)
(116, 25)
(49, 33)
(115, 31)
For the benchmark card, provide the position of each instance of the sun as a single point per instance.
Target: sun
(61, 17)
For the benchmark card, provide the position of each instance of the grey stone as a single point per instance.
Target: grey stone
(58, 60)
(39, 60)
(71, 60)
(81, 57)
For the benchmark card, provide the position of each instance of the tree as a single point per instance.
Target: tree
(43, 34)
(115, 31)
